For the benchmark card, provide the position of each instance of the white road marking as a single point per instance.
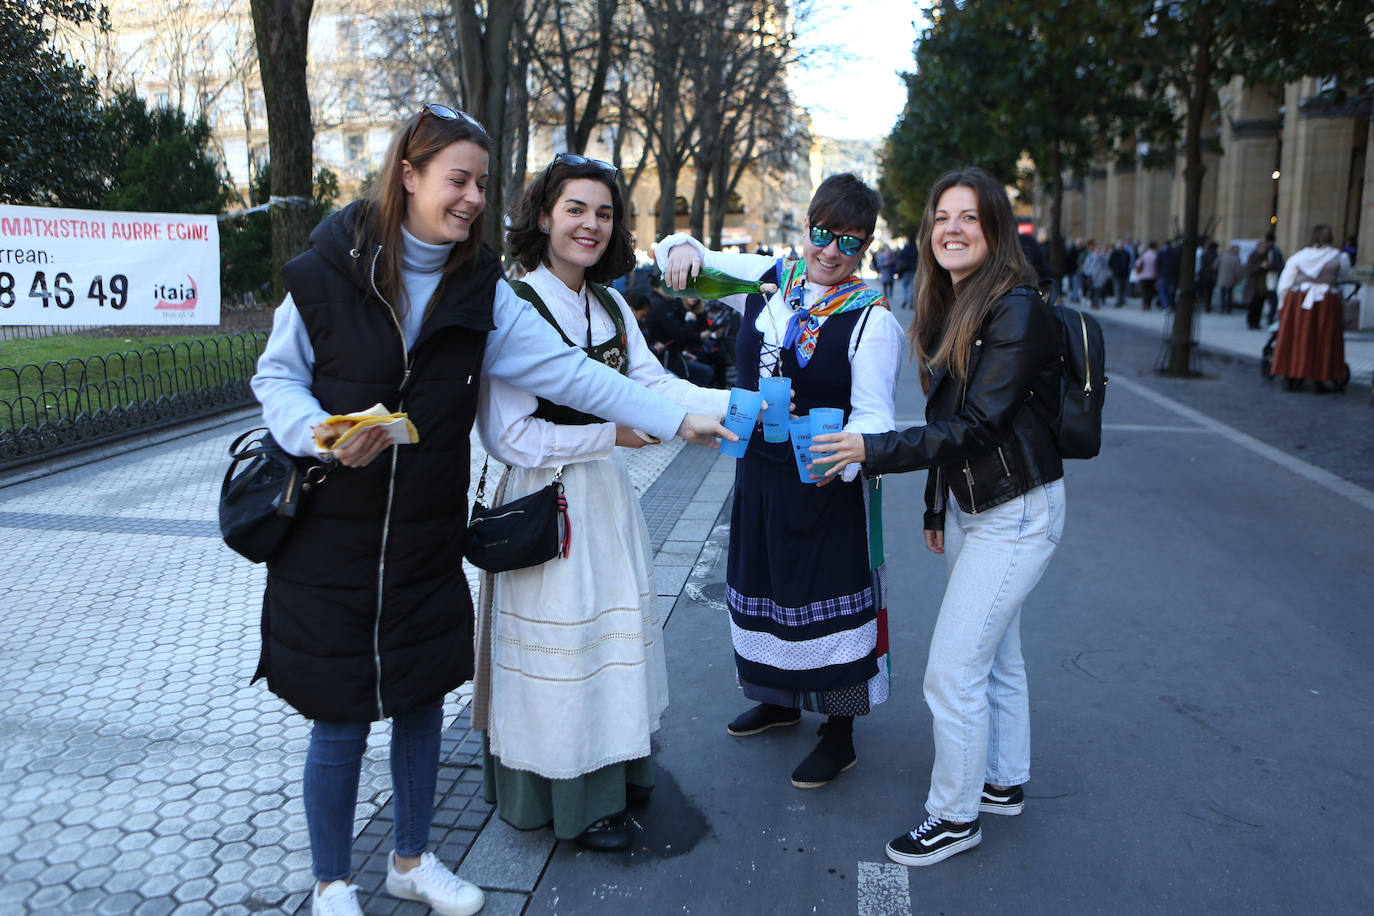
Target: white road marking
(884, 889)
(1319, 476)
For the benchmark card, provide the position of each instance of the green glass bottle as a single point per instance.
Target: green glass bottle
(716, 284)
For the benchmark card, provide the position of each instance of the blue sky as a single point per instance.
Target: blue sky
(853, 89)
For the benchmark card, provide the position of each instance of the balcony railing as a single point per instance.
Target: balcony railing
(60, 406)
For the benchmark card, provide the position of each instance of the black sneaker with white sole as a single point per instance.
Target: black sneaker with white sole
(934, 841)
(1002, 801)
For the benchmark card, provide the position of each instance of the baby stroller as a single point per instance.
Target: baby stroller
(1267, 355)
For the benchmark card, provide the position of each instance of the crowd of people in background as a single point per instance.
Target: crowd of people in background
(1224, 279)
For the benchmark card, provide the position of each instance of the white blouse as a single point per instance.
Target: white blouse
(505, 421)
(875, 346)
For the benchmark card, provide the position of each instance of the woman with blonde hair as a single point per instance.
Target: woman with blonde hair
(988, 350)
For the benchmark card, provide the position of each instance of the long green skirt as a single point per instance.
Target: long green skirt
(527, 800)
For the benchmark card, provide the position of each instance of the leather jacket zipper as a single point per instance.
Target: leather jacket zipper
(939, 491)
(1005, 468)
(968, 471)
(390, 493)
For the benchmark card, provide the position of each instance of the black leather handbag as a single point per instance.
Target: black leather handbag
(524, 532)
(258, 505)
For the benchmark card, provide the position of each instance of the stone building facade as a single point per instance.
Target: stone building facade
(1283, 160)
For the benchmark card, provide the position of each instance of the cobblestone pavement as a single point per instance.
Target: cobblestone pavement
(141, 772)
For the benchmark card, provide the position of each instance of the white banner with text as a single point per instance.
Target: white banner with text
(102, 267)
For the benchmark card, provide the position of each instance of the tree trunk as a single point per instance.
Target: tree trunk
(1179, 360)
(485, 49)
(520, 124)
(282, 31)
(667, 164)
(720, 202)
(700, 191)
(667, 201)
(724, 178)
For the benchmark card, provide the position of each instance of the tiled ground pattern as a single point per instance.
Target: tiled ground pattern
(140, 771)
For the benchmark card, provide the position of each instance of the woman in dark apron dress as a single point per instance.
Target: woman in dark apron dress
(803, 580)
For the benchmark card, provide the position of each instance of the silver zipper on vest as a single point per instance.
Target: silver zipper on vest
(390, 493)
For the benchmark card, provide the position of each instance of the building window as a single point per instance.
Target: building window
(355, 151)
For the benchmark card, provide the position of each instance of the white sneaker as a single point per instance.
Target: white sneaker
(430, 882)
(338, 899)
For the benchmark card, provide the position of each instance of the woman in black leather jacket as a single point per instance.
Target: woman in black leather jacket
(989, 354)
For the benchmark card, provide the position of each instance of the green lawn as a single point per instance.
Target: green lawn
(62, 347)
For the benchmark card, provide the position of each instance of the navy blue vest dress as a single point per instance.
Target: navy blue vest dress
(803, 606)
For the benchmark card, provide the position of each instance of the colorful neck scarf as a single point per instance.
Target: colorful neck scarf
(804, 325)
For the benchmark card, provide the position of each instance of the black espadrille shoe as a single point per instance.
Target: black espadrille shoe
(832, 756)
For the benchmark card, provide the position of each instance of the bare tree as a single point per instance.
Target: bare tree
(670, 49)
(570, 43)
(743, 103)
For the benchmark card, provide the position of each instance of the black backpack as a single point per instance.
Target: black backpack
(1083, 384)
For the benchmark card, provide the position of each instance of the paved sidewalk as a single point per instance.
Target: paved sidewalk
(141, 772)
(1228, 334)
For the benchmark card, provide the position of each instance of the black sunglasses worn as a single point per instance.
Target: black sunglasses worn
(848, 244)
(574, 159)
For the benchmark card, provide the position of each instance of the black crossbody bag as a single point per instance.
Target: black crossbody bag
(524, 532)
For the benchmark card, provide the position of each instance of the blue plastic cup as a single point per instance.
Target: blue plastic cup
(825, 420)
(777, 391)
(800, 430)
(740, 418)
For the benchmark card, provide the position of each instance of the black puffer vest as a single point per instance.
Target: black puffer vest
(367, 611)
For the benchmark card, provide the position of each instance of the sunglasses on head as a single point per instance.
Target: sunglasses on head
(444, 113)
(574, 159)
(848, 244)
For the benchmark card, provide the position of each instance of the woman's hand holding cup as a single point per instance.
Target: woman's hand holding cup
(838, 450)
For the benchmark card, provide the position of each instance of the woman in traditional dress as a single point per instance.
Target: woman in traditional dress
(571, 651)
(804, 583)
(1311, 342)
(988, 347)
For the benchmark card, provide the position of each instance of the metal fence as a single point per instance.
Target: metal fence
(38, 332)
(60, 406)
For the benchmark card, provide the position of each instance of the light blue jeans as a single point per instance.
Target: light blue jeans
(975, 681)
